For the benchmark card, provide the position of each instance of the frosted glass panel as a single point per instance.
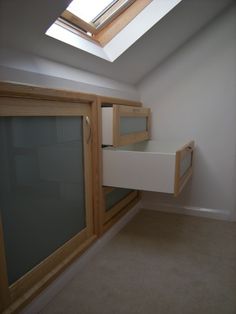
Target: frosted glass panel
(42, 197)
(115, 196)
(185, 163)
(132, 125)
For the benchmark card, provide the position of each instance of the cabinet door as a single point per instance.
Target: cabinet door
(45, 187)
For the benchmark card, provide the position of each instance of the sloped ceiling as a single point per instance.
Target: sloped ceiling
(23, 24)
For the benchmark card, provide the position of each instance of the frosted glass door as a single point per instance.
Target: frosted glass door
(42, 187)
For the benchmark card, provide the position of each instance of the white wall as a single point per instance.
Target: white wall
(193, 95)
(21, 67)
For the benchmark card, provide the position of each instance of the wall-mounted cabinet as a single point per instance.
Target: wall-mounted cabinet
(123, 125)
(150, 166)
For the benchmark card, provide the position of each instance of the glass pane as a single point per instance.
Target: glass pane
(87, 10)
(185, 163)
(132, 125)
(42, 197)
(115, 196)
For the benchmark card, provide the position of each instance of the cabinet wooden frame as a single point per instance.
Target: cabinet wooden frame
(181, 180)
(19, 100)
(123, 111)
(104, 224)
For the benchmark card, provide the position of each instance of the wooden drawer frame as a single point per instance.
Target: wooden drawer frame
(113, 126)
(181, 180)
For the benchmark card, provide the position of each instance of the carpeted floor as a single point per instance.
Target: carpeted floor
(158, 264)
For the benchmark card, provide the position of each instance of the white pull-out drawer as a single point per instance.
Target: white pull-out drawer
(149, 165)
(123, 125)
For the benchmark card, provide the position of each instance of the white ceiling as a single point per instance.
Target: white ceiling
(23, 24)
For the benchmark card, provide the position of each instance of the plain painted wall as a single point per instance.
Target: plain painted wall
(21, 67)
(193, 95)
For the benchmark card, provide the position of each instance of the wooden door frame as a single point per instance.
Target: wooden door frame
(21, 100)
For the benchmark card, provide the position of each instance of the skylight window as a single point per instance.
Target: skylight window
(88, 10)
(107, 28)
(91, 16)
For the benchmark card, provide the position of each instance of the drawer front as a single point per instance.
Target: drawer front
(184, 166)
(139, 170)
(149, 166)
(123, 125)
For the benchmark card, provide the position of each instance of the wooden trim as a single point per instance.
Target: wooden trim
(120, 214)
(88, 174)
(28, 296)
(75, 20)
(109, 101)
(112, 13)
(119, 206)
(113, 28)
(186, 149)
(133, 112)
(15, 90)
(116, 125)
(37, 107)
(132, 138)
(35, 92)
(33, 281)
(100, 200)
(177, 173)
(180, 182)
(4, 291)
(97, 178)
(47, 265)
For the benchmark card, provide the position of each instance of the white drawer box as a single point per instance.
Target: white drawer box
(149, 165)
(123, 125)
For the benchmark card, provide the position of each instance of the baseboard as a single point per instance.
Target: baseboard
(189, 210)
(51, 291)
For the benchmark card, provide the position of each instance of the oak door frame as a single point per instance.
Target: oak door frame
(20, 100)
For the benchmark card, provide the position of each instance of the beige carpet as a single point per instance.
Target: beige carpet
(158, 264)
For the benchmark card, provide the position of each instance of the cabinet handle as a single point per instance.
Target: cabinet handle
(90, 129)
